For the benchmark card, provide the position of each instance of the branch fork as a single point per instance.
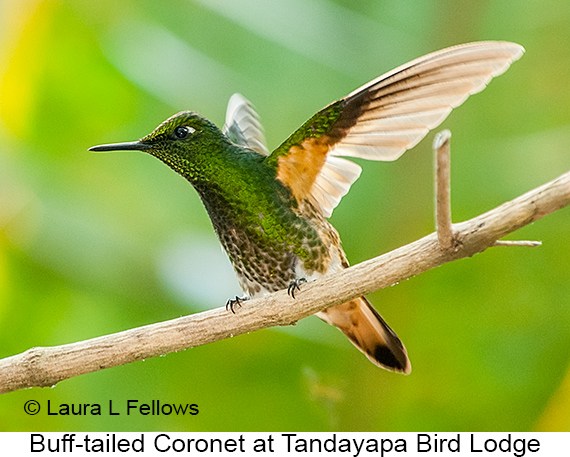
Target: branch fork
(444, 226)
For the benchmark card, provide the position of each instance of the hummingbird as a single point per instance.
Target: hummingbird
(270, 210)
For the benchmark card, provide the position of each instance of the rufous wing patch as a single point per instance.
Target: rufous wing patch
(301, 166)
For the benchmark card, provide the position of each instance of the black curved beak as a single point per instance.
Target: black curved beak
(129, 146)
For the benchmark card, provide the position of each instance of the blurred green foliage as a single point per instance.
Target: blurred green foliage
(92, 244)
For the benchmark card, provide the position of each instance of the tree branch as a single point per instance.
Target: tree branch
(46, 366)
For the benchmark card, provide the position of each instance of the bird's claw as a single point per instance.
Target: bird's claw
(233, 302)
(295, 285)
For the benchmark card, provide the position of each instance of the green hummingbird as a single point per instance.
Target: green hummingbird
(270, 210)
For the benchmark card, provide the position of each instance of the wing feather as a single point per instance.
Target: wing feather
(333, 182)
(242, 125)
(384, 118)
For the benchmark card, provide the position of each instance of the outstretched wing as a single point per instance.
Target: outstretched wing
(384, 118)
(242, 125)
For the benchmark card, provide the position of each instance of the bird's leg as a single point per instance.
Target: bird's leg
(295, 285)
(233, 302)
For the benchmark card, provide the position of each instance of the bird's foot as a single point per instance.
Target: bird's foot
(233, 302)
(295, 285)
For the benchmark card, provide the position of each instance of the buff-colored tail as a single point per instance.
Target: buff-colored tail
(362, 324)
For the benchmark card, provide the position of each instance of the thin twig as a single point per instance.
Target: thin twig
(40, 367)
(443, 189)
(523, 243)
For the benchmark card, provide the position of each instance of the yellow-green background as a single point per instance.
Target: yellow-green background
(92, 244)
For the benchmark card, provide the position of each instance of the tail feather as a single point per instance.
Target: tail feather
(366, 329)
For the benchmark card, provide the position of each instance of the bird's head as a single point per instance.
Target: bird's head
(183, 142)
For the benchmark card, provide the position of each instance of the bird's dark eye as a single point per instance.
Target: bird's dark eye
(182, 132)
